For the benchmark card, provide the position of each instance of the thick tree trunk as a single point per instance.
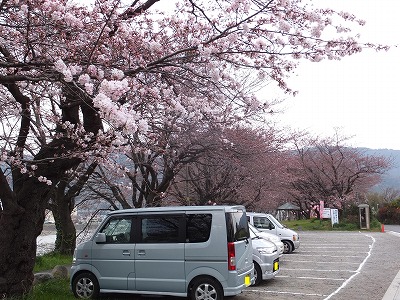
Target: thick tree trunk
(62, 206)
(66, 232)
(24, 205)
(20, 228)
(22, 220)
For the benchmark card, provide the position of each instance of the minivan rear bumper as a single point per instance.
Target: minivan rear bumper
(236, 288)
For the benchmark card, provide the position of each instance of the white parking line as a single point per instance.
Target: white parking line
(328, 246)
(313, 278)
(285, 293)
(318, 270)
(320, 262)
(340, 256)
(334, 251)
(358, 270)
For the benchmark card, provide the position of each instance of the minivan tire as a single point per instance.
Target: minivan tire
(257, 274)
(85, 286)
(206, 288)
(288, 248)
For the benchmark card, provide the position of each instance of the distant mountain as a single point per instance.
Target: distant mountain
(392, 178)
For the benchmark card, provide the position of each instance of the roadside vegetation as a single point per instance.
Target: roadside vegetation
(317, 224)
(50, 260)
(50, 290)
(389, 213)
(53, 289)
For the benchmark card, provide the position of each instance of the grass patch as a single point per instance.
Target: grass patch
(308, 224)
(317, 224)
(50, 290)
(59, 289)
(50, 260)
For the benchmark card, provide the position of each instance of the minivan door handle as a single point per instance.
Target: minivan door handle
(141, 252)
(126, 252)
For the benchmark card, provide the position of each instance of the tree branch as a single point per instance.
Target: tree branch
(131, 12)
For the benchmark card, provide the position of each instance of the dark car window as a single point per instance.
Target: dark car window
(198, 227)
(161, 229)
(118, 230)
(237, 226)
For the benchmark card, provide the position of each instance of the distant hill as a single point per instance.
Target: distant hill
(392, 178)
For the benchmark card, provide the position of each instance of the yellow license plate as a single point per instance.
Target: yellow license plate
(247, 280)
(276, 265)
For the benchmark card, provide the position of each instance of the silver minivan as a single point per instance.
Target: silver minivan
(200, 252)
(266, 222)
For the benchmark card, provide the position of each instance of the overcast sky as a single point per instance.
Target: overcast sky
(359, 94)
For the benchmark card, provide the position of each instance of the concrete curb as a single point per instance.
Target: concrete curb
(393, 292)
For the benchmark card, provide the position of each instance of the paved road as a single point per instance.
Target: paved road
(392, 228)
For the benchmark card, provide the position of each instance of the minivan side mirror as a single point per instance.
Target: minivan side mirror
(100, 238)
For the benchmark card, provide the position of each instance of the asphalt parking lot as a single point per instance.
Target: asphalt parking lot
(334, 265)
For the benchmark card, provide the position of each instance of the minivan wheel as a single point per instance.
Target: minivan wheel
(85, 286)
(206, 288)
(287, 247)
(257, 274)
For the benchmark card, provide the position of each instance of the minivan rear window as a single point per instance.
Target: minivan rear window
(198, 227)
(237, 227)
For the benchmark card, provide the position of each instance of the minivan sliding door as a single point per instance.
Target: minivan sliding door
(159, 254)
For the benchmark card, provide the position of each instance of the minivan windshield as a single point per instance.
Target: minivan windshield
(238, 229)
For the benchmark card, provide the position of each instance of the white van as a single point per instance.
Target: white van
(200, 252)
(266, 222)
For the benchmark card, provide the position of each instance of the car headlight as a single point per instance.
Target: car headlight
(295, 238)
(266, 250)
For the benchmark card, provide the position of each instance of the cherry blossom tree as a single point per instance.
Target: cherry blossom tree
(328, 170)
(248, 167)
(140, 178)
(99, 75)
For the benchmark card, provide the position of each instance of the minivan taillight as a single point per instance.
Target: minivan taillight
(231, 257)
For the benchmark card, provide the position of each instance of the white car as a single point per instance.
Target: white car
(265, 258)
(269, 237)
(267, 223)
